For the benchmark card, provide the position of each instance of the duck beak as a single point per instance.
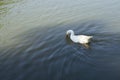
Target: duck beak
(67, 34)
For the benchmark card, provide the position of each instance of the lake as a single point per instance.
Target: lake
(34, 46)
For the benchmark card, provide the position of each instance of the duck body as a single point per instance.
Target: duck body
(82, 39)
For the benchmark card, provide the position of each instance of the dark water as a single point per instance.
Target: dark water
(35, 50)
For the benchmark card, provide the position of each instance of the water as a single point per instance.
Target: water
(33, 45)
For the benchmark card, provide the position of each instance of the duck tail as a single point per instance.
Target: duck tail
(90, 36)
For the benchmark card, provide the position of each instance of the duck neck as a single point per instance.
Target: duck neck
(72, 34)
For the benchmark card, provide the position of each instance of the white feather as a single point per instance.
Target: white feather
(83, 39)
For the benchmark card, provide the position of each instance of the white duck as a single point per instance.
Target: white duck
(82, 39)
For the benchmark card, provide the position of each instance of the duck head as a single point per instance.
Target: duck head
(69, 32)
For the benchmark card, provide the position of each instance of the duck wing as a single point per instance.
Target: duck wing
(84, 39)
